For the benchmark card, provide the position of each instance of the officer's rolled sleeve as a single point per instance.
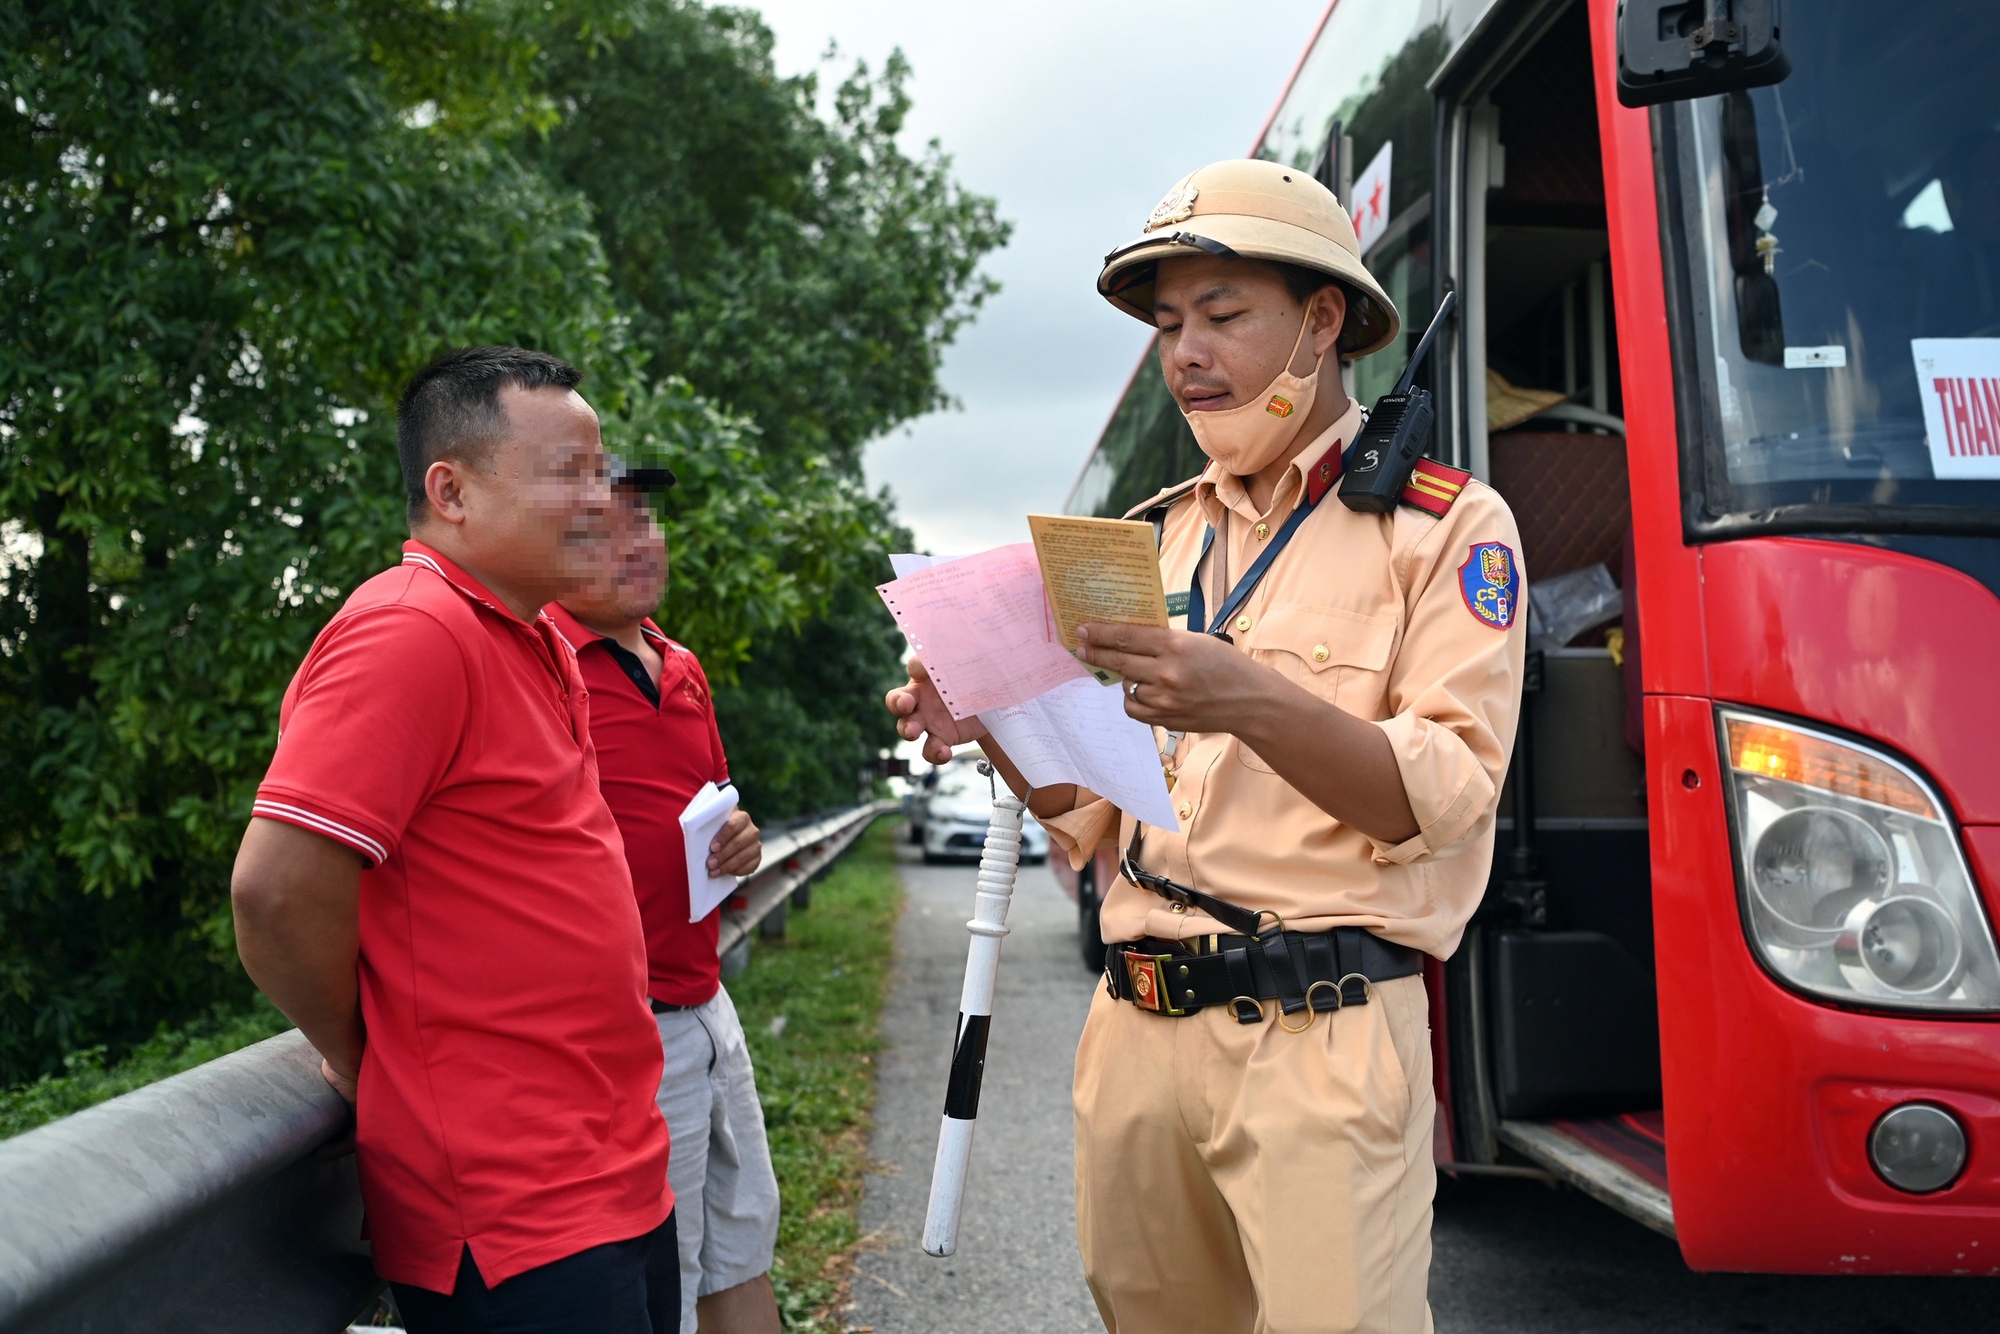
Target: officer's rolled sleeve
(1084, 828)
(1455, 684)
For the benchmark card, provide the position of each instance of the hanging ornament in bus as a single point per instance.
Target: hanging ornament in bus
(1767, 241)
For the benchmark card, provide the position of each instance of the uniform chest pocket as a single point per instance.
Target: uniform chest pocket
(1342, 656)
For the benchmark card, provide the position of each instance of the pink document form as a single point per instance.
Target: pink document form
(982, 626)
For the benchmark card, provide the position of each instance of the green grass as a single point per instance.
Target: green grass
(828, 978)
(86, 1079)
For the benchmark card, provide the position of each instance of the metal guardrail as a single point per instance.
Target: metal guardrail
(792, 861)
(202, 1202)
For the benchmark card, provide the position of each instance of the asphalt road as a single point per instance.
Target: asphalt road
(1016, 1270)
(1511, 1256)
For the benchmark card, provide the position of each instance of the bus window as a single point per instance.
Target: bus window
(1842, 274)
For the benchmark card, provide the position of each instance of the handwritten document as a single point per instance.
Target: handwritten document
(1070, 731)
(982, 626)
(1099, 570)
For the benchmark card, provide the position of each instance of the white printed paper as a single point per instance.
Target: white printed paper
(1958, 380)
(1079, 732)
(700, 823)
(1370, 205)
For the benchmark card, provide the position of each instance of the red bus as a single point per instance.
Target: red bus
(1733, 356)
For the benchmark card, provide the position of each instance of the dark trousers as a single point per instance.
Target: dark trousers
(622, 1287)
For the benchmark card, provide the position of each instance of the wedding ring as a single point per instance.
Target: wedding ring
(1132, 690)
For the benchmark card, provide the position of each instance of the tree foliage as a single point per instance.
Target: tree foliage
(228, 232)
(803, 270)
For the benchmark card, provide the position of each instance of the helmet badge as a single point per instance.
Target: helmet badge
(1177, 206)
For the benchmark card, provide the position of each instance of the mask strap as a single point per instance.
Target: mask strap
(1299, 342)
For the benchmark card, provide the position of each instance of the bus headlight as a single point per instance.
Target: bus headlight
(1854, 884)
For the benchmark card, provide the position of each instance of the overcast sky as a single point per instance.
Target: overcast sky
(1077, 116)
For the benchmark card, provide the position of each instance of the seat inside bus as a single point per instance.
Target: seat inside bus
(1574, 1024)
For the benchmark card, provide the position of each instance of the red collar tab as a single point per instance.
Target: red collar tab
(1321, 476)
(1433, 487)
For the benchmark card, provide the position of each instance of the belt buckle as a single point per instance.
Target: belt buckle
(1147, 974)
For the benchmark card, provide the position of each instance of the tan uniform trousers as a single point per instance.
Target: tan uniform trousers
(1239, 1179)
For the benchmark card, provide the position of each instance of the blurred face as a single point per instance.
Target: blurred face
(1228, 325)
(634, 580)
(533, 519)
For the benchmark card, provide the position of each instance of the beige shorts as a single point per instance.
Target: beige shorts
(725, 1195)
(1239, 1179)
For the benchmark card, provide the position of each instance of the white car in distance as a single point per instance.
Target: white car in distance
(955, 816)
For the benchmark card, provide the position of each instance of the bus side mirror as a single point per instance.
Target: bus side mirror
(1675, 50)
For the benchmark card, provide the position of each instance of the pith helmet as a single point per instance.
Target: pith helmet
(1249, 209)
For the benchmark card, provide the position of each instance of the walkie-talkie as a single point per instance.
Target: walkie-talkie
(1390, 444)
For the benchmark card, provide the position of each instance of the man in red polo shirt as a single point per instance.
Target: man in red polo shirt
(653, 722)
(433, 889)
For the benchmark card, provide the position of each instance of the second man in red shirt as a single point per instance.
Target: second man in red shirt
(653, 723)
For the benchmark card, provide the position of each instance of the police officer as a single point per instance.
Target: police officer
(1253, 1087)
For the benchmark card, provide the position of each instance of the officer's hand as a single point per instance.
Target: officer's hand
(920, 712)
(738, 848)
(1186, 683)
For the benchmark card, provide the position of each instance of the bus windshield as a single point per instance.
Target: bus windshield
(1842, 273)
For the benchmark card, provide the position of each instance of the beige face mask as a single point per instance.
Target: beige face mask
(1249, 439)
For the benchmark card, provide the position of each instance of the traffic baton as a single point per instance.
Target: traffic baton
(998, 863)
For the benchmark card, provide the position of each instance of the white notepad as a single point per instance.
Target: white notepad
(700, 823)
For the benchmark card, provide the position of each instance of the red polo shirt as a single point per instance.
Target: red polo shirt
(651, 761)
(506, 1098)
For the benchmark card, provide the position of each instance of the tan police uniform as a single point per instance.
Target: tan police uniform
(1268, 1166)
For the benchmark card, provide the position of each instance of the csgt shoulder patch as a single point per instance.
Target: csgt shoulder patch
(1490, 583)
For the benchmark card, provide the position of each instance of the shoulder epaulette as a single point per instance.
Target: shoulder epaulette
(1164, 500)
(1154, 510)
(1432, 487)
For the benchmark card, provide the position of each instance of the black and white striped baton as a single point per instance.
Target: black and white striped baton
(998, 863)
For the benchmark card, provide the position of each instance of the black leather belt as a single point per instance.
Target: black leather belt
(1315, 971)
(661, 1007)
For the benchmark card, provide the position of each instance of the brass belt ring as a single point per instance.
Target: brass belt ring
(1254, 1001)
(1262, 913)
(1311, 1014)
(1367, 987)
(1339, 998)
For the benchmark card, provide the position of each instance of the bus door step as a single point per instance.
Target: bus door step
(1618, 1160)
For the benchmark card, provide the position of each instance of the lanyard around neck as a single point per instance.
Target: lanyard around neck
(1198, 605)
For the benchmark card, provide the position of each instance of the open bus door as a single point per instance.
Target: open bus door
(1551, 1011)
